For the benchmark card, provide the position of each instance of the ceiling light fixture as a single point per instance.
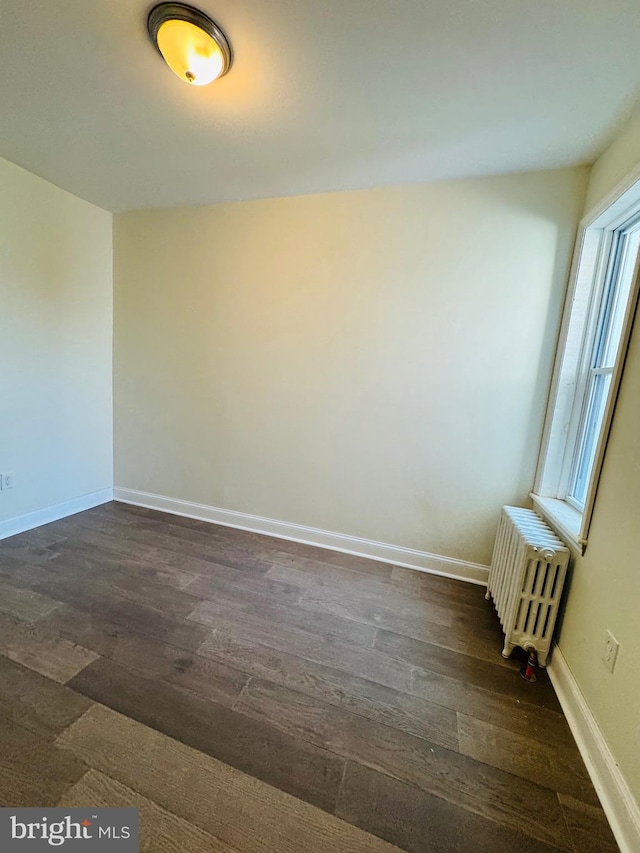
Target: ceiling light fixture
(192, 45)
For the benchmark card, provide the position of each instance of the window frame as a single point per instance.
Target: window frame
(566, 405)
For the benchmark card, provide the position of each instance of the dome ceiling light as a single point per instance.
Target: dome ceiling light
(193, 46)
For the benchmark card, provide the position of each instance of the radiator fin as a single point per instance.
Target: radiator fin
(528, 571)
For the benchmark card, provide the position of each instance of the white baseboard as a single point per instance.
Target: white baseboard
(21, 523)
(618, 802)
(406, 557)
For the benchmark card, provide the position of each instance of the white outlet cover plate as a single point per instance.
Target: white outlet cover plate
(611, 648)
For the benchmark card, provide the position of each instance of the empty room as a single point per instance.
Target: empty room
(320, 434)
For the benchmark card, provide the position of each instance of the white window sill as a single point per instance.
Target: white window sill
(563, 518)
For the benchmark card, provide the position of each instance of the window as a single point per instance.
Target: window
(596, 326)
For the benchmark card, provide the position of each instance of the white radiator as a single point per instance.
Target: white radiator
(528, 570)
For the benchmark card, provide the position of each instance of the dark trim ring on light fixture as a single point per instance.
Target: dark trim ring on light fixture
(181, 12)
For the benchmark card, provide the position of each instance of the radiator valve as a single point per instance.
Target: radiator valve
(528, 671)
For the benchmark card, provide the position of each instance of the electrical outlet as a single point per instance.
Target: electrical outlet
(611, 648)
(6, 481)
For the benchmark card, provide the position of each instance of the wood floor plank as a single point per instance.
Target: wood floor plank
(415, 622)
(10, 568)
(170, 600)
(419, 822)
(203, 546)
(216, 587)
(349, 605)
(254, 555)
(152, 659)
(108, 543)
(475, 631)
(36, 703)
(33, 772)
(76, 576)
(26, 576)
(477, 616)
(79, 557)
(324, 568)
(201, 567)
(356, 660)
(484, 645)
(160, 830)
(327, 684)
(309, 773)
(46, 653)
(309, 718)
(219, 537)
(427, 584)
(40, 537)
(69, 579)
(253, 543)
(332, 585)
(464, 782)
(365, 565)
(257, 610)
(240, 810)
(496, 677)
(508, 712)
(24, 604)
(20, 549)
(257, 542)
(559, 768)
(588, 827)
(130, 513)
(428, 591)
(464, 600)
(101, 599)
(172, 566)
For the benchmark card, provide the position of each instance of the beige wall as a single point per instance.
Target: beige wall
(616, 162)
(605, 587)
(55, 344)
(372, 363)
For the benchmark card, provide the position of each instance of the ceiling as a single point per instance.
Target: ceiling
(323, 95)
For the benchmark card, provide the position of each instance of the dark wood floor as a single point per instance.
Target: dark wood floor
(253, 694)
